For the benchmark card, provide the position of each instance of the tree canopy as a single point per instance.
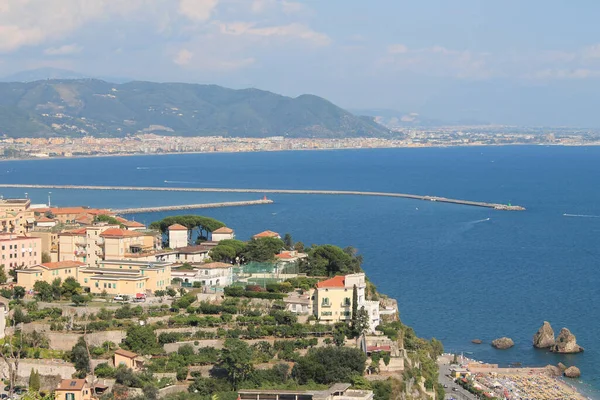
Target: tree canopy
(236, 360)
(330, 364)
(203, 224)
(330, 260)
(229, 251)
(141, 339)
(263, 249)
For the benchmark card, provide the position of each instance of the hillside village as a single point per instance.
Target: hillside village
(97, 306)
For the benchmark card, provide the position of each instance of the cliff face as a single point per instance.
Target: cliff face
(544, 338)
(566, 342)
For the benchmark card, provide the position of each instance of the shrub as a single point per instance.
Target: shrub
(105, 371)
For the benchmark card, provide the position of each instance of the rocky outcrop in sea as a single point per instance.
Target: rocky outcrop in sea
(503, 343)
(566, 343)
(572, 372)
(544, 337)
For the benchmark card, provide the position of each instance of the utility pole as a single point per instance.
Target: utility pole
(49, 193)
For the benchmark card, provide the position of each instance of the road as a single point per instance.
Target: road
(444, 379)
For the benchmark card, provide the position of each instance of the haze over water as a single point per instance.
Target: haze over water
(458, 272)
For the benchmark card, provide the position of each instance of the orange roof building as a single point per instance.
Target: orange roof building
(267, 234)
(177, 227)
(73, 389)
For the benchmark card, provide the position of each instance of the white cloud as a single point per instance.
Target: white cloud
(294, 31)
(32, 22)
(183, 57)
(577, 73)
(198, 10)
(286, 6)
(397, 49)
(63, 50)
(438, 61)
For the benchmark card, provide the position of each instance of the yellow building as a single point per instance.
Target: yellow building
(69, 215)
(47, 272)
(99, 242)
(49, 241)
(124, 277)
(73, 389)
(332, 300)
(121, 243)
(129, 359)
(16, 216)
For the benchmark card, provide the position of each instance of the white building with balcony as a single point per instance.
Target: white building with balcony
(214, 274)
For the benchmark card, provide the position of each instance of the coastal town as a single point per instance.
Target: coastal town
(151, 143)
(99, 306)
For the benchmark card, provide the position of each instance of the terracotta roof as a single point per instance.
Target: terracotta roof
(117, 232)
(84, 219)
(177, 227)
(75, 232)
(336, 281)
(133, 224)
(266, 234)
(223, 229)
(378, 348)
(44, 219)
(125, 353)
(213, 265)
(284, 255)
(62, 264)
(71, 384)
(74, 210)
(192, 249)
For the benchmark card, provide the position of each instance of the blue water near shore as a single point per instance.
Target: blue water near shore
(458, 272)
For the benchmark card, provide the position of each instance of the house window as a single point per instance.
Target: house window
(70, 396)
(97, 284)
(325, 302)
(85, 280)
(326, 313)
(347, 302)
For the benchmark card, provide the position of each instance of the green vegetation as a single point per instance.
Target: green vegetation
(203, 225)
(108, 219)
(327, 365)
(329, 260)
(229, 251)
(263, 249)
(176, 108)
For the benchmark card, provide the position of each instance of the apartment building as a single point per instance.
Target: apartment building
(216, 274)
(47, 272)
(126, 277)
(115, 277)
(70, 215)
(332, 300)
(19, 250)
(93, 244)
(16, 216)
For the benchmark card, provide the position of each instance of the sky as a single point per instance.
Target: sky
(533, 62)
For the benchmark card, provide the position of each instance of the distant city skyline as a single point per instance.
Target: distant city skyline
(512, 62)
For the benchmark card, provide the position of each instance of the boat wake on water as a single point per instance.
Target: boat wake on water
(479, 221)
(581, 216)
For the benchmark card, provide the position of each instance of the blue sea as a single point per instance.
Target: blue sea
(458, 272)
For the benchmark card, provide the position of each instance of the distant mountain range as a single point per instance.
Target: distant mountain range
(393, 119)
(75, 107)
(40, 74)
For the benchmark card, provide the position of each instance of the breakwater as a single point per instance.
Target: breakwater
(495, 206)
(192, 206)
